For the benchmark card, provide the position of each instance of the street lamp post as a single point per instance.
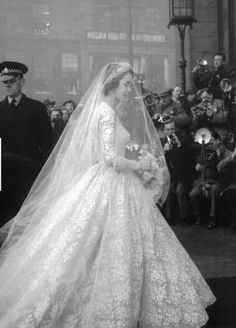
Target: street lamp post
(181, 16)
(130, 40)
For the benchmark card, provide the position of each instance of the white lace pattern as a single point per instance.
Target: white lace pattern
(103, 257)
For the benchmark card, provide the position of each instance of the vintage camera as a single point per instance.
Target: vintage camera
(172, 140)
(202, 75)
(200, 110)
(160, 119)
(210, 157)
(150, 99)
(163, 118)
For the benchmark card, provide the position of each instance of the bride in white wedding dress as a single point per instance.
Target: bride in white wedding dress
(89, 247)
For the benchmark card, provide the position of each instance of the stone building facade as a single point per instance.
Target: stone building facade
(65, 42)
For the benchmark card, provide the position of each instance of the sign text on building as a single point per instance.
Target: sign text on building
(115, 36)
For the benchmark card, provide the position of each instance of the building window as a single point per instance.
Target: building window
(70, 73)
(43, 72)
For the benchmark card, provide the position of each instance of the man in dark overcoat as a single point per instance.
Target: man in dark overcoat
(219, 74)
(180, 167)
(208, 185)
(26, 135)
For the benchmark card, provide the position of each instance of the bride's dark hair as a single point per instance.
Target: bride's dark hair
(111, 84)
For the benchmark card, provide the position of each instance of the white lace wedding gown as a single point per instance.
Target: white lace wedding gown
(104, 257)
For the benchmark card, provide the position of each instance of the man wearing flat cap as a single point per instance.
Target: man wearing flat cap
(26, 135)
(175, 111)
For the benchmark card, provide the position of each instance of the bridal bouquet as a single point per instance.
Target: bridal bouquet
(153, 179)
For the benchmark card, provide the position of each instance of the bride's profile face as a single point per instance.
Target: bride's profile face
(124, 88)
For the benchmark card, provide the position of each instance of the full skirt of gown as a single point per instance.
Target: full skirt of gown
(103, 257)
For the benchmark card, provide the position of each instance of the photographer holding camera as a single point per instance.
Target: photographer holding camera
(177, 113)
(210, 113)
(208, 185)
(179, 165)
(218, 74)
(210, 77)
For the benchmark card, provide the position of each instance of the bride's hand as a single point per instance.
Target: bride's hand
(145, 163)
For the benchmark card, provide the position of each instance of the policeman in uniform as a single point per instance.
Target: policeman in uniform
(26, 135)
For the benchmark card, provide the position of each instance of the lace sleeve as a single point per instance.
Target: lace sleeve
(107, 136)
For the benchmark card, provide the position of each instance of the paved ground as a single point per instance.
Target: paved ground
(213, 251)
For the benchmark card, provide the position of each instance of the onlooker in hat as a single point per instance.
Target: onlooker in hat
(49, 105)
(69, 105)
(65, 115)
(57, 124)
(26, 135)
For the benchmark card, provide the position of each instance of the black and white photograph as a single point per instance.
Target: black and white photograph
(117, 163)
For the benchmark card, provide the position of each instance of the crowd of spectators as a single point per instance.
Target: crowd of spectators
(59, 115)
(196, 131)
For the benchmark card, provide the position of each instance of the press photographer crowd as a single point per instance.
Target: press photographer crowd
(197, 131)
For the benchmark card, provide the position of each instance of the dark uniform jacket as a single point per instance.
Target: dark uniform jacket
(26, 131)
(26, 135)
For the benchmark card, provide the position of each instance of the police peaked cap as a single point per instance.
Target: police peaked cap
(11, 68)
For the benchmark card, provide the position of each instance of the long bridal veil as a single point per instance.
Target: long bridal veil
(77, 151)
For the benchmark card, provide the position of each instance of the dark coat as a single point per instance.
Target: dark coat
(219, 74)
(26, 130)
(26, 135)
(179, 162)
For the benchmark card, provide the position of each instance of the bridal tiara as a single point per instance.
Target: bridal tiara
(118, 70)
